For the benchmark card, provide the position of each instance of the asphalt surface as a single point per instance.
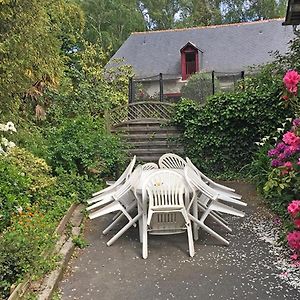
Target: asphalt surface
(253, 266)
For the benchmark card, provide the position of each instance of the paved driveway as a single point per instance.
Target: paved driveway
(251, 267)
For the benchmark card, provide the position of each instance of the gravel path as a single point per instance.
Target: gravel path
(253, 266)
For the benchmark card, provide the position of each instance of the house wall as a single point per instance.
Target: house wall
(151, 88)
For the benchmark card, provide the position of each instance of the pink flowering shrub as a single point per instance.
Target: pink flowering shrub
(286, 155)
(293, 237)
(290, 95)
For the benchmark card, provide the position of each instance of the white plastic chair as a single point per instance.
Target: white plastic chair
(106, 194)
(165, 190)
(212, 205)
(124, 201)
(171, 161)
(149, 166)
(216, 186)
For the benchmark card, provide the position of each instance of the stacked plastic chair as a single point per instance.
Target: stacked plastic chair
(124, 202)
(165, 190)
(211, 202)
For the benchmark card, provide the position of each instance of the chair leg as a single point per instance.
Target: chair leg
(117, 219)
(116, 215)
(209, 230)
(213, 213)
(190, 239)
(221, 222)
(145, 236)
(124, 229)
(189, 232)
(113, 224)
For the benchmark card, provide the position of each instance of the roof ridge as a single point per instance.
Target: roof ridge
(209, 26)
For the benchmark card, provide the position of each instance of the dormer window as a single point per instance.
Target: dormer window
(189, 60)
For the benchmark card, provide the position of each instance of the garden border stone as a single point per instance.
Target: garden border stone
(64, 247)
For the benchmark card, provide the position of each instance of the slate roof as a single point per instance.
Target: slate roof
(226, 48)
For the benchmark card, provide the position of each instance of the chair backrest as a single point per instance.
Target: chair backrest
(171, 161)
(149, 166)
(165, 188)
(204, 177)
(125, 175)
(195, 181)
(129, 183)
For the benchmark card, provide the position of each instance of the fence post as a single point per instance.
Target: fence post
(213, 81)
(107, 124)
(243, 78)
(161, 88)
(130, 90)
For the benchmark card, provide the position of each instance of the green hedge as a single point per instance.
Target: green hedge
(220, 136)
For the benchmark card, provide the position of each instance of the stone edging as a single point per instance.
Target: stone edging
(64, 248)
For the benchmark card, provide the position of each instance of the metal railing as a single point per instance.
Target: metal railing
(220, 81)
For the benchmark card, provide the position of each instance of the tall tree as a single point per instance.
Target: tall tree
(32, 36)
(162, 14)
(201, 12)
(234, 11)
(266, 9)
(111, 22)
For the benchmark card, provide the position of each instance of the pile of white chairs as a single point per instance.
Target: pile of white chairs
(162, 208)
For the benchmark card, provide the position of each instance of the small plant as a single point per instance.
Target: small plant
(80, 242)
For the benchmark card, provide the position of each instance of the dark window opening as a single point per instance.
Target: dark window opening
(190, 63)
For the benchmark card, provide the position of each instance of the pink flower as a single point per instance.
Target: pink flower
(290, 138)
(291, 79)
(298, 162)
(294, 207)
(294, 256)
(285, 97)
(293, 239)
(297, 223)
(288, 164)
(296, 122)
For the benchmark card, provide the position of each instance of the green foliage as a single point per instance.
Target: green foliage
(76, 187)
(220, 135)
(32, 36)
(260, 167)
(109, 23)
(13, 191)
(199, 87)
(166, 14)
(82, 145)
(21, 247)
(79, 242)
(89, 88)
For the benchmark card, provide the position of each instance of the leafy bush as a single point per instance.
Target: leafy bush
(82, 145)
(198, 88)
(260, 167)
(22, 246)
(13, 191)
(220, 135)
